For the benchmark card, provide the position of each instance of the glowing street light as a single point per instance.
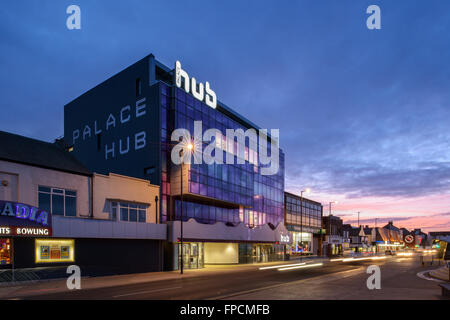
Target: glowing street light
(190, 147)
(329, 220)
(307, 191)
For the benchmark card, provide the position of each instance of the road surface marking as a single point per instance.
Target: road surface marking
(143, 292)
(337, 275)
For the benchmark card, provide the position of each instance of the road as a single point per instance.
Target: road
(332, 280)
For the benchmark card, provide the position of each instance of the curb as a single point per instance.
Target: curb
(426, 276)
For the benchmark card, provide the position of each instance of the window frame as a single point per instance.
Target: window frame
(141, 208)
(58, 191)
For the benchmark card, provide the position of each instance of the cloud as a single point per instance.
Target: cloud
(362, 114)
(426, 223)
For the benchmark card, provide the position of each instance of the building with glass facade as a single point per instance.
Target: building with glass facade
(303, 217)
(231, 212)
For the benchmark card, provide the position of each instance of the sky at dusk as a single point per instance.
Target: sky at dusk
(364, 115)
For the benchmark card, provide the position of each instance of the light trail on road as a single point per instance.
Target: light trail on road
(281, 266)
(301, 267)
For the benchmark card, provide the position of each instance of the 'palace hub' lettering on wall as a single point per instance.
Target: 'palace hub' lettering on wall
(123, 145)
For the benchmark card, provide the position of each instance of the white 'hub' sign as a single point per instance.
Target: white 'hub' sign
(200, 92)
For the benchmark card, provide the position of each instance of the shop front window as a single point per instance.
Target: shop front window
(302, 243)
(5, 251)
(54, 250)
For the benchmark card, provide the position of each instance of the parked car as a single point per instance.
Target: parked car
(390, 253)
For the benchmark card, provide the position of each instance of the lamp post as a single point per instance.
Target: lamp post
(358, 218)
(190, 147)
(359, 237)
(307, 191)
(329, 220)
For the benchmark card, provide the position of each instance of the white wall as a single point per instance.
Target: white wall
(221, 253)
(26, 179)
(123, 188)
(23, 181)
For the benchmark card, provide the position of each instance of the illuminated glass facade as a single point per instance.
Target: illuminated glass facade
(303, 217)
(311, 214)
(229, 193)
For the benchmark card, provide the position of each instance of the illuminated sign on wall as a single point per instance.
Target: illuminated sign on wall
(125, 116)
(54, 250)
(200, 92)
(284, 239)
(19, 214)
(24, 231)
(409, 239)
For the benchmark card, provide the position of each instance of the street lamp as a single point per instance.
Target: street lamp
(307, 191)
(190, 147)
(358, 219)
(329, 220)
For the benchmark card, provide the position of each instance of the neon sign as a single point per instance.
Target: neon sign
(200, 92)
(284, 239)
(23, 215)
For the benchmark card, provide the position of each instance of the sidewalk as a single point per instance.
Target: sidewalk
(30, 288)
(441, 273)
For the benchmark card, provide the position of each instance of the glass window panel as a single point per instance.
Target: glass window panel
(71, 206)
(57, 204)
(142, 215)
(44, 201)
(133, 213)
(44, 189)
(113, 213)
(124, 213)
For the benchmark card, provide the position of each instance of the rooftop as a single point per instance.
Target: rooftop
(20, 149)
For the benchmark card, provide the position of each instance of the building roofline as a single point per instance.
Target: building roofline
(46, 167)
(304, 198)
(222, 107)
(12, 140)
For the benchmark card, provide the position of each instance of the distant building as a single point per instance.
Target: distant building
(387, 238)
(335, 235)
(421, 238)
(359, 240)
(390, 226)
(303, 218)
(440, 235)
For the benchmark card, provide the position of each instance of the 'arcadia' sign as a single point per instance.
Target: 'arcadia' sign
(19, 214)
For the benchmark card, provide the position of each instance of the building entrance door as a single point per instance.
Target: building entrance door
(261, 253)
(193, 256)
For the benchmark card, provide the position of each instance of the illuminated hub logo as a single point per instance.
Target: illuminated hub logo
(284, 239)
(200, 92)
(22, 211)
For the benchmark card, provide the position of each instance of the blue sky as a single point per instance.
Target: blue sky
(363, 114)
